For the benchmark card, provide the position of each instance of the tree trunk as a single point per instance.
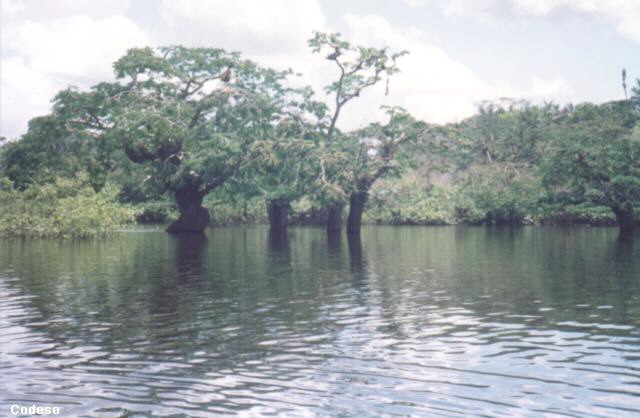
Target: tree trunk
(193, 217)
(624, 216)
(334, 218)
(357, 202)
(278, 211)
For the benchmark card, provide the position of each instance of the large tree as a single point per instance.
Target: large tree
(191, 116)
(286, 163)
(596, 159)
(54, 146)
(376, 153)
(359, 68)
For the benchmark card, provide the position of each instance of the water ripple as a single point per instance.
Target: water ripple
(420, 322)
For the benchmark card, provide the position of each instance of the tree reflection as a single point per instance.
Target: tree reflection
(190, 249)
(334, 242)
(278, 239)
(357, 261)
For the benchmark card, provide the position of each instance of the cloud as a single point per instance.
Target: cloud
(550, 89)
(432, 85)
(623, 14)
(416, 3)
(476, 8)
(50, 46)
(47, 10)
(273, 32)
(25, 93)
(76, 47)
(44, 55)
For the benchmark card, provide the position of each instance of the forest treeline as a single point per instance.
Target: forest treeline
(200, 136)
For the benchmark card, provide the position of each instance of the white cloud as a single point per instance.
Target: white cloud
(25, 93)
(432, 85)
(79, 40)
(274, 32)
(44, 55)
(76, 47)
(624, 14)
(416, 3)
(478, 9)
(47, 10)
(550, 89)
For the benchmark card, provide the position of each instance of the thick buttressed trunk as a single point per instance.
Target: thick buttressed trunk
(357, 202)
(334, 218)
(278, 211)
(193, 217)
(624, 216)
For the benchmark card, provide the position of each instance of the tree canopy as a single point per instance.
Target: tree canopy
(190, 121)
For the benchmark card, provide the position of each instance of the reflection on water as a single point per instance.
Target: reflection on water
(426, 321)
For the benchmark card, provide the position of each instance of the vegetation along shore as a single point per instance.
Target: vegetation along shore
(201, 136)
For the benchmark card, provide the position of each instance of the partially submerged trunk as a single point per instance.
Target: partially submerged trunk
(193, 217)
(334, 217)
(357, 203)
(278, 211)
(624, 216)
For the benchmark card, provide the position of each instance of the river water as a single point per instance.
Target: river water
(422, 321)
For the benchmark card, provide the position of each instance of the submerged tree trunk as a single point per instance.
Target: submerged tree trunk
(624, 216)
(193, 217)
(334, 218)
(357, 202)
(278, 211)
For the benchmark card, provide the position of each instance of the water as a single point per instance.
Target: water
(433, 321)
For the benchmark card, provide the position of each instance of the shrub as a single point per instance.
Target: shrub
(226, 213)
(410, 205)
(498, 194)
(582, 213)
(156, 212)
(62, 208)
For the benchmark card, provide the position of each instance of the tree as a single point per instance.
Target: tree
(596, 158)
(359, 68)
(190, 115)
(375, 155)
(286, 165)
(51, 149)
(503, 131)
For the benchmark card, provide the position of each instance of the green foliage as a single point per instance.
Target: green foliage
(506, 131)
(61, 208)
(596, 157)
(155, 212)
(376, 150)
(360, 67)
(198, 121)
(44, 152)
(227, 213)
(285, 166)
(339, 155)
(498, 194)
(583, 213)
(192, 114)
(407, 203)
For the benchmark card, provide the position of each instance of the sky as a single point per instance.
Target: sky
(461, 52)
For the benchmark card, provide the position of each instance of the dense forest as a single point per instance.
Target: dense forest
(198, 136)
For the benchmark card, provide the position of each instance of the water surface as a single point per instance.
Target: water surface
(425, 321)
